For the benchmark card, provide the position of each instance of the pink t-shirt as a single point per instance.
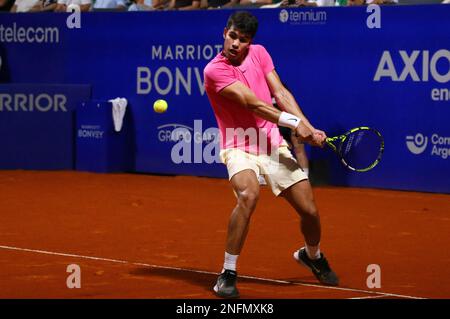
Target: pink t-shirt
(239, 127)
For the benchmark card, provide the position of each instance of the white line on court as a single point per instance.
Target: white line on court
(368, 297)
(378, 294)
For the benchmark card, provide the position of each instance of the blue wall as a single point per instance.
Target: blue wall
(328, 57)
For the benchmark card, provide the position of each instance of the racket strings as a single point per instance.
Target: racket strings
(361, 149)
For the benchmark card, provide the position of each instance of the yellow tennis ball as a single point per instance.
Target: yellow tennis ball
(160, 106)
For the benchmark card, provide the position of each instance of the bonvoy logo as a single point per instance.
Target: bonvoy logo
(303, 17)
(416, 144)
(91, 131)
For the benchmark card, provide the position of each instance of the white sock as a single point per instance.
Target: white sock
(230, 262)
(306, 170)
(313, 252)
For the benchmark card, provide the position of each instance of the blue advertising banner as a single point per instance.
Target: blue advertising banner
(387, 68)
(37, 125)
(100, 145)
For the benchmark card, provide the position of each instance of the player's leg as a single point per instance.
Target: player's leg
(301, 198)
(246, 188)
(300, 154)
(290, 181)
(243, 171)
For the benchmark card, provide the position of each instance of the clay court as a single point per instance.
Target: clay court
(144, 236)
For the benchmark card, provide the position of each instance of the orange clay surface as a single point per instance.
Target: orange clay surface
(163, 237)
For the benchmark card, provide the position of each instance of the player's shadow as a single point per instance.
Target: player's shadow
(207, 280)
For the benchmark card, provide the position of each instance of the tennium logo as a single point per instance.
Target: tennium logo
(284, 16)
(418, 144)
(296, 17)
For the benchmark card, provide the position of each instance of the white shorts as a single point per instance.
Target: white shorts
(280, 170)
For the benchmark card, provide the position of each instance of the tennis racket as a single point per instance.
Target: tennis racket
(359, 149)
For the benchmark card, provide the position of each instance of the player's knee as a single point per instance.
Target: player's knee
(248, 198)
(309, 211)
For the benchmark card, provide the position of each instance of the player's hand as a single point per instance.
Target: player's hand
(319, 137)
(303, 133)
(310, 135)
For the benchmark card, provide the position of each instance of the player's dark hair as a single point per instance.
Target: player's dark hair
(244, 22)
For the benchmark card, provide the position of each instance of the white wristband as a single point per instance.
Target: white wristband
(288, 120)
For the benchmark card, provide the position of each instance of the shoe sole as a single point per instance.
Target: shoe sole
(306, 266)
(216, 291)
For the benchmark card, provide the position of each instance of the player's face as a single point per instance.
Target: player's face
(236, 45)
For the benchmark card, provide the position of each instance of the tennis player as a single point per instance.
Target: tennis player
(239, 83)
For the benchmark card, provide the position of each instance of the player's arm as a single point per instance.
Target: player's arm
(286, 101)
(242, 95)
